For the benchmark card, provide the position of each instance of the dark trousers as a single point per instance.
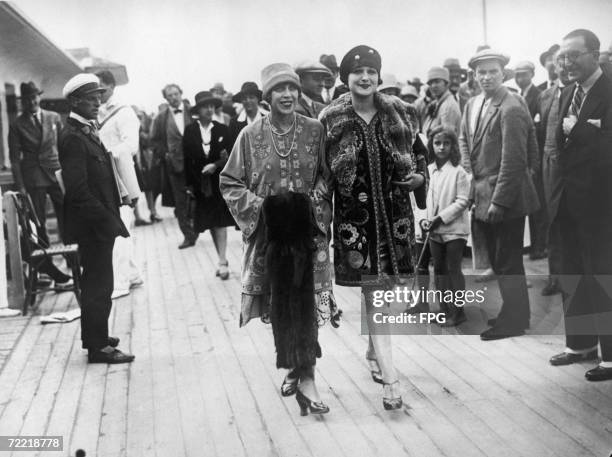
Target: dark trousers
(96, 291)
(554, 251)
(586, 281)
(38, 195)
(177, 182)
(538, 221)
(505, 244)
(447, 259)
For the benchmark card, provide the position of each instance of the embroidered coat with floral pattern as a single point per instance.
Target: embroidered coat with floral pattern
(373, 220)
(254, 171)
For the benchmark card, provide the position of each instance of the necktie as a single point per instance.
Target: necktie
(37, 122)
(577, 100)
(94, 129)
(177, 110)
(484, 100)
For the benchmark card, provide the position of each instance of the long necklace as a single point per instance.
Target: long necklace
(283, 134)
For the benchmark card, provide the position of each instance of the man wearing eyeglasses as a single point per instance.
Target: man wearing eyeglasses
(584, 213)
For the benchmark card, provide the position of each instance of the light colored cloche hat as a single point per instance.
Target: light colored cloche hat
(82, 84)
(438, 73)
(488, 54)
(409, 89)
(278, 73)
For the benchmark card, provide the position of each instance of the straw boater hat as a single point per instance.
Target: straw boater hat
(278, 73)
(205, 97)
(82, 84)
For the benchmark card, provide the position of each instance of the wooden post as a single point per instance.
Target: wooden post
(16, 290)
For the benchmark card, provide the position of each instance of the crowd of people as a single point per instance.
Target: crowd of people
(398, 175)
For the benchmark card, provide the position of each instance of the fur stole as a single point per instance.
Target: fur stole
(397, 135)
(289, 248)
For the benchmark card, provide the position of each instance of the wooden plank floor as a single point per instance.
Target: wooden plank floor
(201, 386)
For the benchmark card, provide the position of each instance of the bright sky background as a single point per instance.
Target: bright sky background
(199, 42)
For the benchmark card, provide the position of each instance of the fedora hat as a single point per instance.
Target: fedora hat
(550, 52)
(205, 97)
(28, 89)
(329, 61)
(248, 88)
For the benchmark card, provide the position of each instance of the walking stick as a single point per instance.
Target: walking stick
(424, 224)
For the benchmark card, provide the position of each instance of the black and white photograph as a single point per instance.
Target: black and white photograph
(306, 228)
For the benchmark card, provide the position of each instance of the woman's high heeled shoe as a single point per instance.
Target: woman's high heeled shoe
(375, 371)
(290, 383)
(306, 404)
(391, 402)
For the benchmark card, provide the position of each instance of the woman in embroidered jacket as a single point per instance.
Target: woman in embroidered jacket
(276, 154)
(376, 160)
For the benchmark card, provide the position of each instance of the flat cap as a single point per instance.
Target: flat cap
(310, 66)
(488, 54)
(82, 84)
(524, 66)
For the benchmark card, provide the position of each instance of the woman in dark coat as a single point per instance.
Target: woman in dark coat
(205, 147)
(376, 160)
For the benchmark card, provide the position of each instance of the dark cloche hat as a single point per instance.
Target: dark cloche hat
(248, 88)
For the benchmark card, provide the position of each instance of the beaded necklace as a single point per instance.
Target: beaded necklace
(273, 132)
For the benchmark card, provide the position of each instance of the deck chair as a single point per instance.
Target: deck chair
(36, 252)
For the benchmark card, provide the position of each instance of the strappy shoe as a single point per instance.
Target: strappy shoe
(375, 371)
(390, 402)
(290, 383)
(306, 405)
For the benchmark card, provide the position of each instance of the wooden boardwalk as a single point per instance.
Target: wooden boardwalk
(201, 386)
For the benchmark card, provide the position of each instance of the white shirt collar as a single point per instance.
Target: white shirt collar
(81, 119)
(307, 99)
(206, 129)
(590, 82)
(243, 116)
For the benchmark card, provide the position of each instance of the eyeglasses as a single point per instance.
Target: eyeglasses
(570, 57)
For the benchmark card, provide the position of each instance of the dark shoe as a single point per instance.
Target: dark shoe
(567, 358)
(391, 403)
(537, 255)
(552, 288)
(290, 383)
(155, 218)
(141, 222)
(499, 332)
(459, 319)
(306, 405)
(113, 341)
(63, 286)
(186, 244)
(97, 356)
(421, 307)
(599, 374)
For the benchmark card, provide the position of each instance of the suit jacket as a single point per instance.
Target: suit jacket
(33, 151)
(499, 156)
(305, 110)
(531, 97)
(167, 139)
(91, 203)
(195, 160)
(585, 157)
